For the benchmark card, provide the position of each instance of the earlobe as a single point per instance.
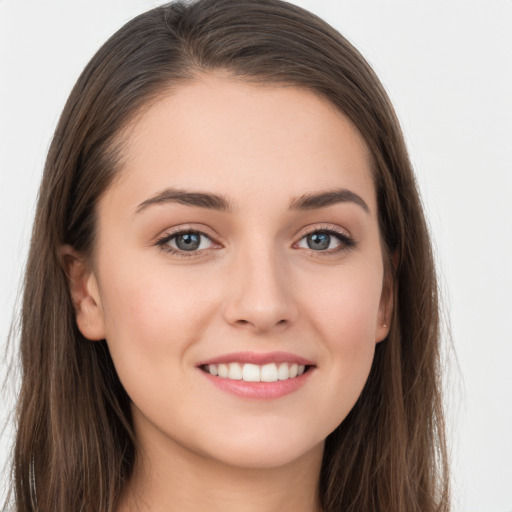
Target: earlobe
(84, 291)
(385, 308)
(384, 318)
(382, 332)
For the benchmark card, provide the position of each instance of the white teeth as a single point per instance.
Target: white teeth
(283, 372)
(235, 371)
(271, 372)
(251, 373)
(223, 370)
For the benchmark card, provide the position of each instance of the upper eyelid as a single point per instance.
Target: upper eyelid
(342, 236)
(163, 243)
(169, 234)
(325, 228)
(302, 233)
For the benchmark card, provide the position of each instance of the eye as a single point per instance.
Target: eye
(185, 242)
(326, 240)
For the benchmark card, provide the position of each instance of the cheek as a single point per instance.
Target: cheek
(153, 317)
(345, 305)
(344, 310)
(151, 314)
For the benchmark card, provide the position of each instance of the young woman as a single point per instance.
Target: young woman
(230, 299)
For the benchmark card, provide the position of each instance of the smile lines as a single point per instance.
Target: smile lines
(248, 372)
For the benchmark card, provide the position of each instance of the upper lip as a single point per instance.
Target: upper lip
(258, 358)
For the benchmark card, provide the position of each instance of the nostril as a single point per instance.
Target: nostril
(243, 322)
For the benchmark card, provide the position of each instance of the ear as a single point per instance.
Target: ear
(386, 301)
(84, 291)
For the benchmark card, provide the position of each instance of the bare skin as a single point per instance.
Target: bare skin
(253, 268)
(188, 483)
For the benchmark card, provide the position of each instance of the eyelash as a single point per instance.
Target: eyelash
(346, 242)
(165, 239)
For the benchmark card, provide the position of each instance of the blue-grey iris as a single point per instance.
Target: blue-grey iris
(318, 241)
(188, 241)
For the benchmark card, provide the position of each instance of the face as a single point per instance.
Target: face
(238, 273)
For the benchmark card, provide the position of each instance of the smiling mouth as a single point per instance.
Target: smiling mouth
(247, 372)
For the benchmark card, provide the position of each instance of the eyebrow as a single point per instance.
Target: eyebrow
(328, 198)
(197, 199)
(309, 201)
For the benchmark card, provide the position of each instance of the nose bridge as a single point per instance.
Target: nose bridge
(260, 295)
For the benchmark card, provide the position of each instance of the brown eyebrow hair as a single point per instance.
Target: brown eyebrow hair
(328, 198)
(309, 201)
(198, 199)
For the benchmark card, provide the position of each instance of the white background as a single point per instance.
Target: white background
(447, 66)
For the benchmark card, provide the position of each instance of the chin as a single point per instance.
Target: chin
(264, 451)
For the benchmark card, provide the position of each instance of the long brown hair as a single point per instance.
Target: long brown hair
(75, 446)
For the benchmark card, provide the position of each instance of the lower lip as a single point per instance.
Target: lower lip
(259, 390)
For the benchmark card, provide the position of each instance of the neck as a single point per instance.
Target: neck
(189, 482)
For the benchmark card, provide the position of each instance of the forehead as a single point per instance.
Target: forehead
(235, 137)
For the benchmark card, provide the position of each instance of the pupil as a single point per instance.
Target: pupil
(188, 241)
(318, 241)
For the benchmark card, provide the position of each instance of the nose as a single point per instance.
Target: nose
(260, 293)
